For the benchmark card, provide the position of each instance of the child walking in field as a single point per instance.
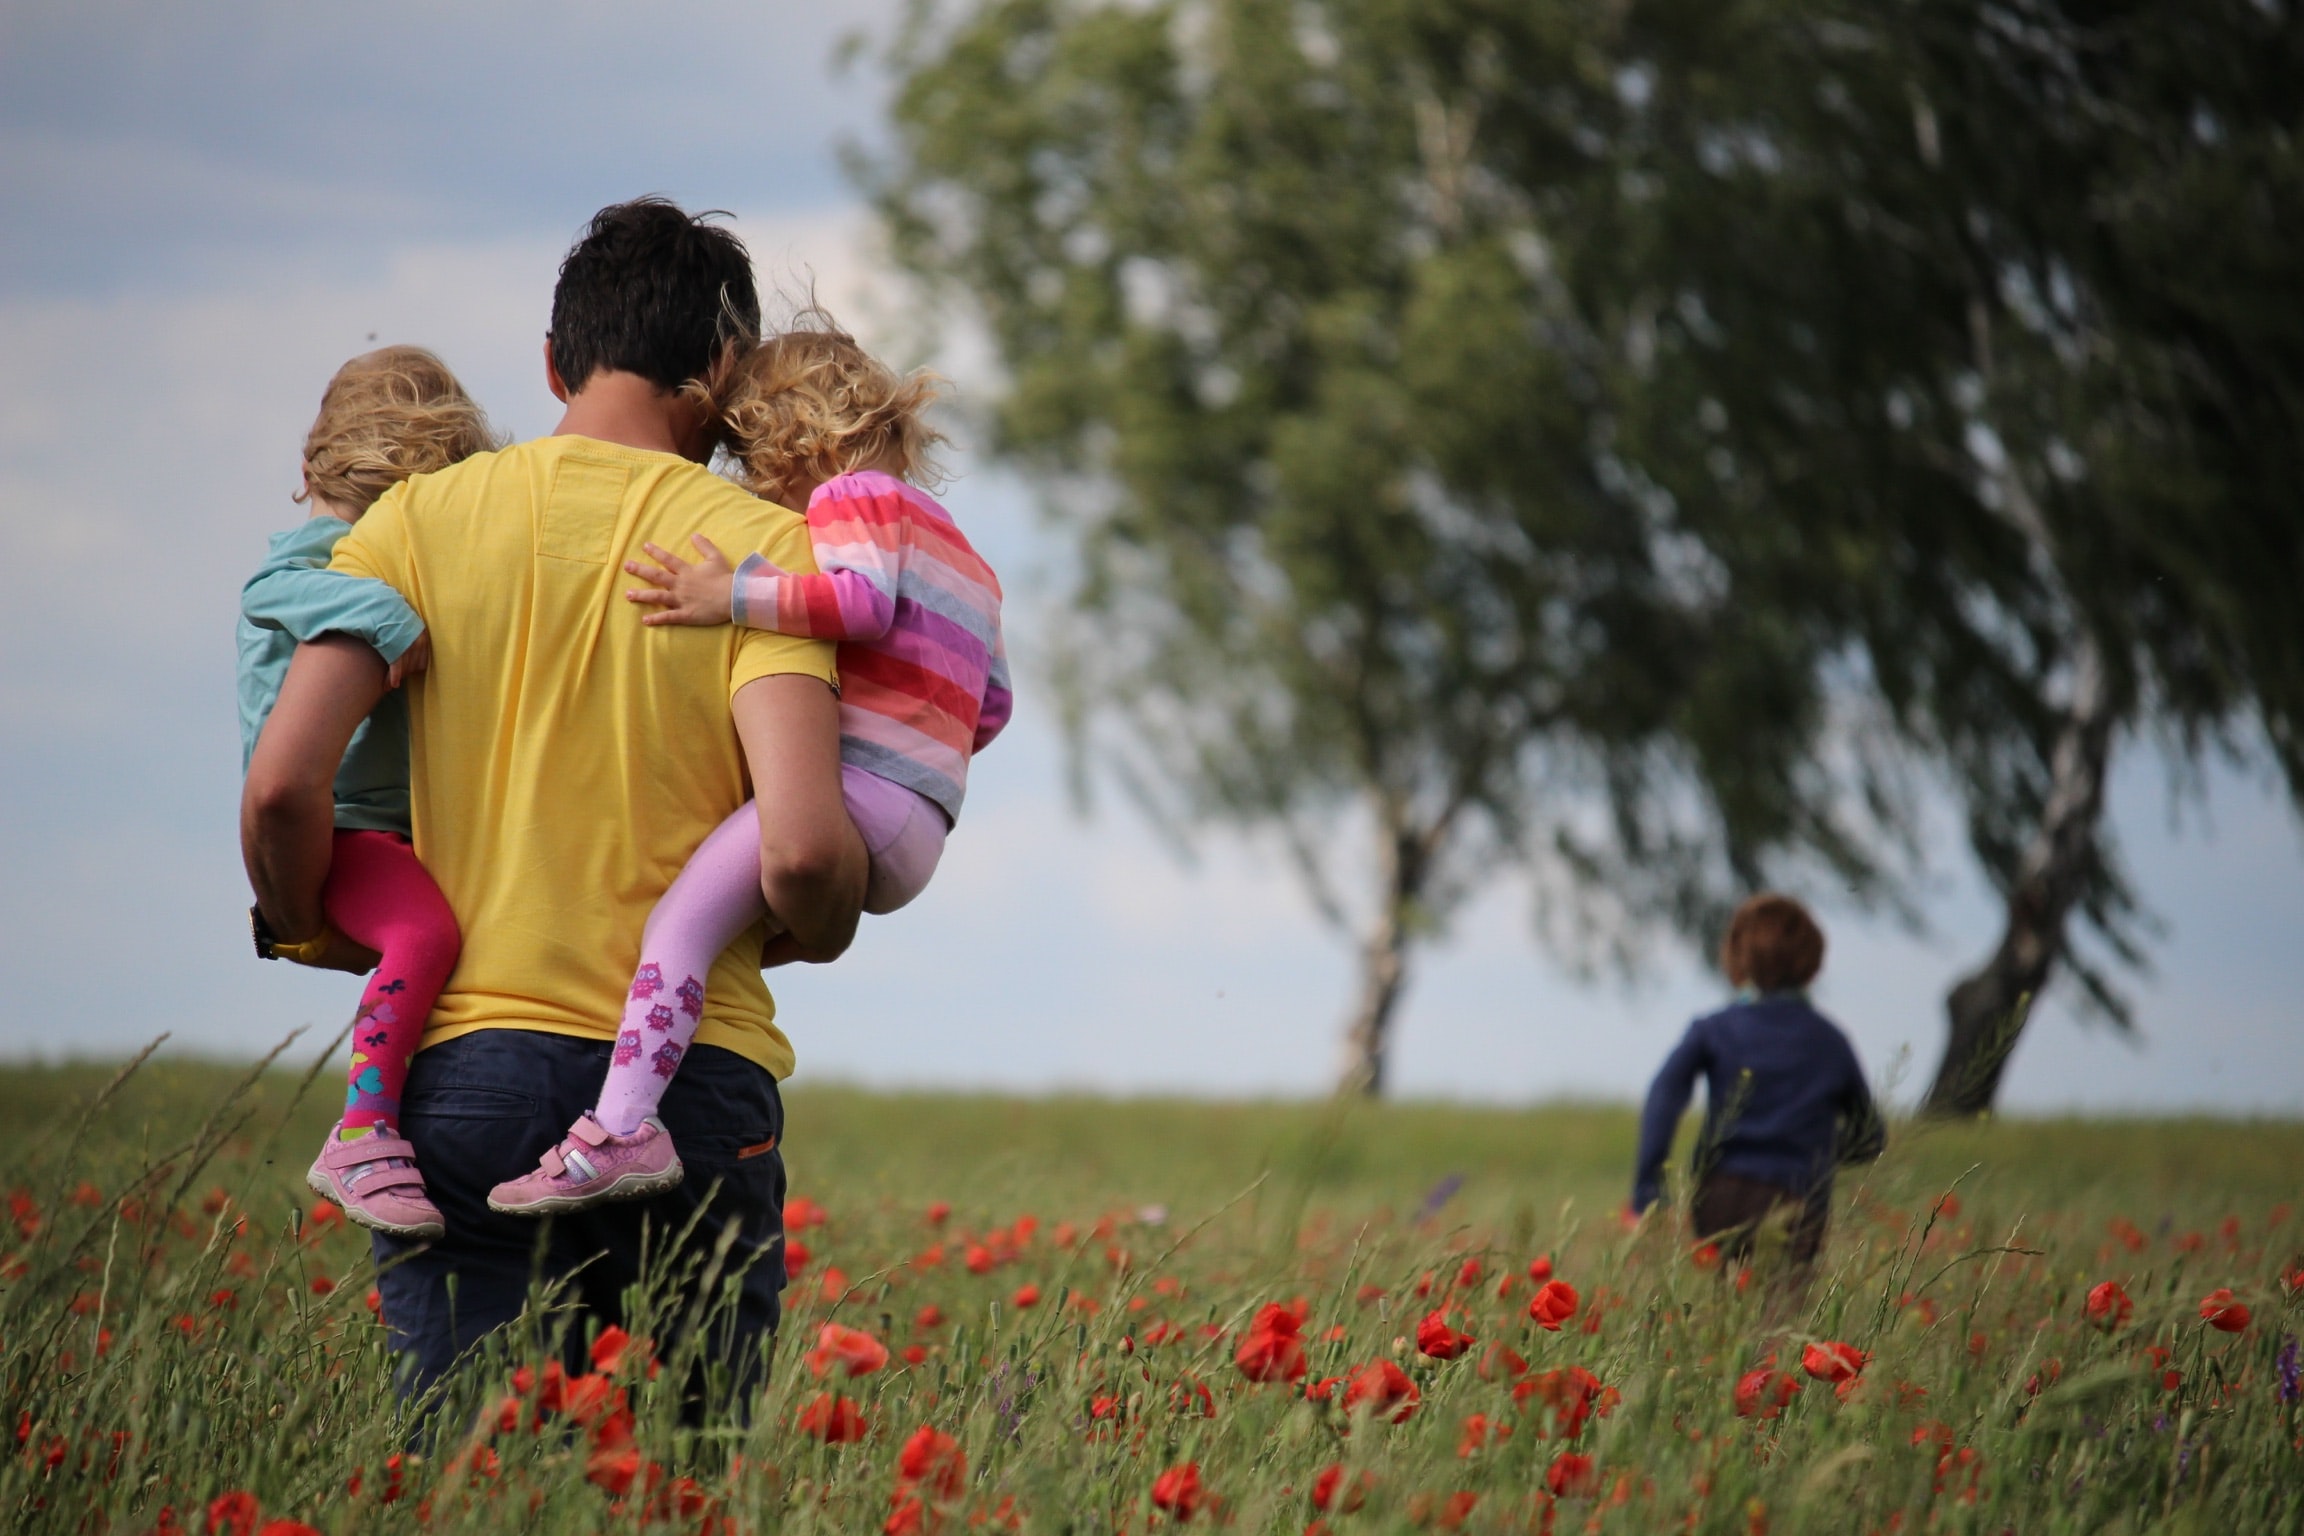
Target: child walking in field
(924, 686)
(1785, 1099)
(385, 416)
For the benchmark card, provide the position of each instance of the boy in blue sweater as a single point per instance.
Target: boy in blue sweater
(1785, 1100)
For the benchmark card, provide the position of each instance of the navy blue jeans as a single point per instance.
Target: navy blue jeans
(482, 1108)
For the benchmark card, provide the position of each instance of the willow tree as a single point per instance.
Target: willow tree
(1608, 439)
(1319, 397)
(1994, 304)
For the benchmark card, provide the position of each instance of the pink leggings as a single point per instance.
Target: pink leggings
(380, 895)
(716, 898)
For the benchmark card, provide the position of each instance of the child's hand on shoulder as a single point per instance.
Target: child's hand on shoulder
(684, 591)
(411, 661)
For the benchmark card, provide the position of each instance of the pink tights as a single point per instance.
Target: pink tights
(380, 895)
(716, 897)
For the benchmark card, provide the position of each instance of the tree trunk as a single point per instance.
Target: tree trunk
(1383, 967)
(1987, 1010)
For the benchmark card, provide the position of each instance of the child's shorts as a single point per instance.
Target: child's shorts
(903, 831)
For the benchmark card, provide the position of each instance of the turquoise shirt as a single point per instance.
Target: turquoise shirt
(294, 597)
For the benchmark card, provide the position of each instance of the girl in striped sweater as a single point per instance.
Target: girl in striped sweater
(815, 422)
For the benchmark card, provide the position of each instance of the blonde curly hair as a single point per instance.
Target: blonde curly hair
(808, 404)
(386, 415)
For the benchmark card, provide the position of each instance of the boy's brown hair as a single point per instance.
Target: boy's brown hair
(386, 415)
(1772, 945)
(808, 404)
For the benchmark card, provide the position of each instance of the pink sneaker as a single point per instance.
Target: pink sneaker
(376, 1180)
(592, 1167)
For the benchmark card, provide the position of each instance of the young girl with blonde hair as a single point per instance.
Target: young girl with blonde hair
(385, 416)
(814, 422)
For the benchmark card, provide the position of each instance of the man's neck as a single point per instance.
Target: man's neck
(618, 407)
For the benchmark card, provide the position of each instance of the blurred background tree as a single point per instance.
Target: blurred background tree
(1635, 445)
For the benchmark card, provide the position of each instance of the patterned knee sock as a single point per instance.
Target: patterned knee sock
(716, 898)
(380, 895)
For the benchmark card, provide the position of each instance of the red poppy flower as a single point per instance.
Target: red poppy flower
(851, 1349)
(833, 1420)
(1368, 1295)
(1833, 1361)
(1476, 1431)
(233, 1514)
(2108, 1305)
(2220, 1312)
(1540, 1269)
(1554, 1304)
(613, 1464)
(1435, 1338)
(1498, 1360)
(591, 1397)
(939, 1212)
(801, 1213)
(796, 1257)
(1027, 1295)
(1178, 1491)
(1385, 1389)
(929, 1316)
(933, 1460)
(1468, 1274)
(1573, 1395)
(608, 1349)
(1330, 1493)
(978, 1258)
(1273, 1349)
(1764, 1394)
(1572, 1476)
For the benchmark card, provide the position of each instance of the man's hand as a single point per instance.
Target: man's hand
(343, 954)
(684, 592)
(288, 805)
(415, 659)
(812, 863)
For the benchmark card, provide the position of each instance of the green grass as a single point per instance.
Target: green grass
(166, 1343)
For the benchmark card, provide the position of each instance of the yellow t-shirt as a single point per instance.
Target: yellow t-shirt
(565, 761)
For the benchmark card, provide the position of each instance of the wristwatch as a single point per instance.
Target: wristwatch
(268, 947)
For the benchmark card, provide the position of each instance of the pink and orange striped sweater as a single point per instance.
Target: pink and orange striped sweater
(923, 672)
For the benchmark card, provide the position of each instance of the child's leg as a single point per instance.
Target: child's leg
(380, 895)
(903, 831)
(715, 898)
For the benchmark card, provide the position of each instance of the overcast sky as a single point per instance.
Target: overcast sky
(209, 208)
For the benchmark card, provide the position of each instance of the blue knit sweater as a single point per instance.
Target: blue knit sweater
(1785, 1100)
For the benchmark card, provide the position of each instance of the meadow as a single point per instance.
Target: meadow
(1097, 1316)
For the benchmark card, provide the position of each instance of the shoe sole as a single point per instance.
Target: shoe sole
(636, 1186)
(421, 1232)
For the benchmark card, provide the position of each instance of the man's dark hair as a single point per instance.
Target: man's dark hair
(653, 290)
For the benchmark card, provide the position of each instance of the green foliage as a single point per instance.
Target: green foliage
(1627, 439)
(1332, 405)
(163, 1340)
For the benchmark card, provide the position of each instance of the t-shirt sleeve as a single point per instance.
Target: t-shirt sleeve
(764, 653)
(377, 547)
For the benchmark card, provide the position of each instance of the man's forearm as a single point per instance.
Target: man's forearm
(288, 805)
(812, 863)
(286, 837)
(817, 899)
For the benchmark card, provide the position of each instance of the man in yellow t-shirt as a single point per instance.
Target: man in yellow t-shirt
(565, 761)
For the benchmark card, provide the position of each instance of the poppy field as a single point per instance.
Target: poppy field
(1103, 1317)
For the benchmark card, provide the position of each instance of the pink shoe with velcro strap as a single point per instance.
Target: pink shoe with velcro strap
(592, 1166)
(376, 1180)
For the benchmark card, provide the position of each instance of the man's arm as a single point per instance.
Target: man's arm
(812, 863)
(288, 804)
